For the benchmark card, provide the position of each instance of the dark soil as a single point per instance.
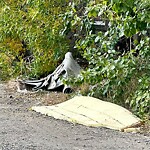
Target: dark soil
(23, 129)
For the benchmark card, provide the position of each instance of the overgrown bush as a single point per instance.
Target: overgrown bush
(30, 43)
(120, 76)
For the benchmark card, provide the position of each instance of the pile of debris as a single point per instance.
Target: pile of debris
(67, 69)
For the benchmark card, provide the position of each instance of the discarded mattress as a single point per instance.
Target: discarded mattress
(90, 111)
(67, 69)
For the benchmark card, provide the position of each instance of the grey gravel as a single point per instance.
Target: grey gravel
(23, 129)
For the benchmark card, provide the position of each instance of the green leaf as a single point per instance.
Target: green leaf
(97, 39)
(93, 13)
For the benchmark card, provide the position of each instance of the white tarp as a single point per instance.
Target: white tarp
(68, 68)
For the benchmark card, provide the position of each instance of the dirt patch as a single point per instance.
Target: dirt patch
(44, 97)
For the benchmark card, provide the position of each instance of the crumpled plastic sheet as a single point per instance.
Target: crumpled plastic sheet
(68, 68)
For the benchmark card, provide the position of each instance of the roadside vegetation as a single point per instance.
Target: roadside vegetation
(29, 35)
(113, 36)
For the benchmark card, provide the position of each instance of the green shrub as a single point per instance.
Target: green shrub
(33, 26)
(114, 75)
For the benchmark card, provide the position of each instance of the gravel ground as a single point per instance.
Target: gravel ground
(23, 129)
